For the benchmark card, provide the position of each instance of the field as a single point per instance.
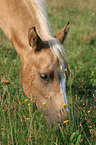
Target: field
(20, 121)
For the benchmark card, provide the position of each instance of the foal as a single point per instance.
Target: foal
(25, 23)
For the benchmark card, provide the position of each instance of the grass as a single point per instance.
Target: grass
(21, 122)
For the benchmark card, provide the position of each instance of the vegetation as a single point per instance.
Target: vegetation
(20, 121)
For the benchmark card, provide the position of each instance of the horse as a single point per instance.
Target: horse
(43, 58)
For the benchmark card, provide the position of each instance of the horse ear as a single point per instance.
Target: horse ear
(61, 35)
(34, 40)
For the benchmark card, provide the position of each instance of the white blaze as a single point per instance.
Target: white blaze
(63, 88)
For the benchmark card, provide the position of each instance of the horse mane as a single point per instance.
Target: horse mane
(44, 28)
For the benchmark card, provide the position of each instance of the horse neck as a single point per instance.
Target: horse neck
(15, 21)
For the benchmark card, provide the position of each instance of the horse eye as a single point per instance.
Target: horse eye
(44, 77)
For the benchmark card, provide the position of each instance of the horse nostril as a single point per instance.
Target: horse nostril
(62, 115)
(62, 110)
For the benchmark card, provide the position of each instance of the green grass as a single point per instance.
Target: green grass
(81, 85)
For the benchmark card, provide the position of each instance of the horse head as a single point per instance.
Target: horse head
(42, 74)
